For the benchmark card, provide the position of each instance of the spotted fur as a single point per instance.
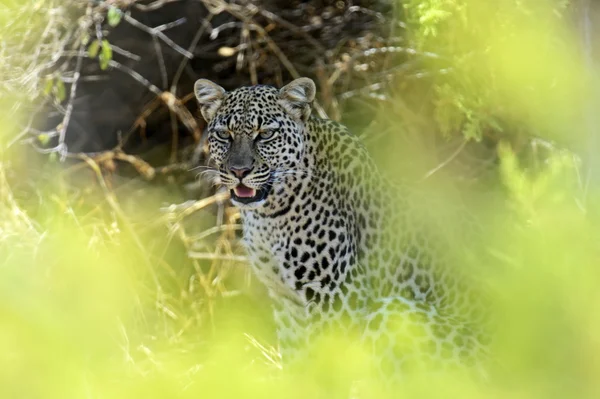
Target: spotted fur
(336, 245)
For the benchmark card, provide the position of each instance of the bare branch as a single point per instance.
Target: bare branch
(136, 76)
(193, 44)
(125, 53)
(62, 129)
(170, 25)
(157, 32)
(293, 28)
(154, 5)
(161, 62)
(447, 161)
(214, 256)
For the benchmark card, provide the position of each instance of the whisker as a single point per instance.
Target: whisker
(201, 167)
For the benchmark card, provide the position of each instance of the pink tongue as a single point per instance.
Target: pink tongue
(244, 192)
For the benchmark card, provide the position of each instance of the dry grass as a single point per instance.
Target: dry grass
(51, 47)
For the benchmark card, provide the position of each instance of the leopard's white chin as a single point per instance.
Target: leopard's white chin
(249, 206)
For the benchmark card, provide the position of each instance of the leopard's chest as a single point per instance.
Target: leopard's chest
(265, 244)
(311, 257)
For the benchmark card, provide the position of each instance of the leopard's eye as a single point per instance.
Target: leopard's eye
(267, 134)
(222, 134)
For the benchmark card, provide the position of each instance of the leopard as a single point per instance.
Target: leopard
(337, 245)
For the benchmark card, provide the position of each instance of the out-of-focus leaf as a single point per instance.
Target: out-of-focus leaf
(94, 48)
(59, 90)
(43, 138)
(114, 16)
(105, 54)
(48, 85)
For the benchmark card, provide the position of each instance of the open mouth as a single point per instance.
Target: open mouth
(247, 195)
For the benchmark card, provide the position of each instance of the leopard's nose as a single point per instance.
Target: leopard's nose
(240, 172)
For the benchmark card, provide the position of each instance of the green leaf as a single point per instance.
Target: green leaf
(48, 85)
(43, 138)
(105, 55)
(114, 16)
(59, 90)
(93, 48)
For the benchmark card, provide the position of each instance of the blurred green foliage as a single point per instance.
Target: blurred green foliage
(510, 66)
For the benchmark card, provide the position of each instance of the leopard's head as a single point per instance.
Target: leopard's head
(255, 135)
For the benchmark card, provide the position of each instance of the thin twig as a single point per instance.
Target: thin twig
(155, 5)
(62, 130)
(216, 256)
(161, 63)
(203, 203)
(136, 76)
(157, 33)
(214, 33)
(275, 49)
(193, 44)
(447, 161)
(170, 25)
(28, 128)
(293, 28)
(171, 101)
(110, 198)
(214, 230)
(125, 53)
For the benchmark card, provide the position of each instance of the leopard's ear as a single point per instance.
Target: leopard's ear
(209, 96)
(297, 96)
